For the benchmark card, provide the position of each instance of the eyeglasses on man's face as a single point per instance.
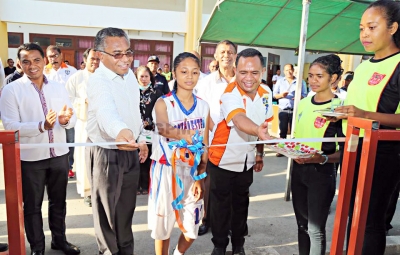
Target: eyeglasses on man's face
(119, 55)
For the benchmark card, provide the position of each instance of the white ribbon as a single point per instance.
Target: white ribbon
(295, 140)
(273, 141)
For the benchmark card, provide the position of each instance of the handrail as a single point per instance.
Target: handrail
(366, 171)
(13, 191)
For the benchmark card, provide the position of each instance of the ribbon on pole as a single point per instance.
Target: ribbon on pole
(300, 140)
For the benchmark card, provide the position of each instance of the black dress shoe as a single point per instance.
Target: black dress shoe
(218, 251)
(3, 247)
(203, 229)
(37, 252)
(239, 250)
(67, 248)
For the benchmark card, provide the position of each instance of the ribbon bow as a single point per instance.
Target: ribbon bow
(190, 154)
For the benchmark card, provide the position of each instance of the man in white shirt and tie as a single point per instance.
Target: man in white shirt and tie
(41, 111)
(114, 116)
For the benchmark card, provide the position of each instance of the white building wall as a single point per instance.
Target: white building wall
(175, 32)
(80, 15)
(177, 38)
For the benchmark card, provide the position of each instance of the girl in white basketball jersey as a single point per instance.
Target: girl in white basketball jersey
(177, 185)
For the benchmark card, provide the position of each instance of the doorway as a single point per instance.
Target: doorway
(69, 55)
(273, 65)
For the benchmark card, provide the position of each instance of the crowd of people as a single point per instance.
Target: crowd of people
(153, 132)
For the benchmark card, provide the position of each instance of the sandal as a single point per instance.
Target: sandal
(145, 192)
(139, 192)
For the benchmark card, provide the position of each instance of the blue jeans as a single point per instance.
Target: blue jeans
(70, 139)
(313, 188)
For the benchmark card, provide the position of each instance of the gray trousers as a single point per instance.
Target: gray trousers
(114, 180)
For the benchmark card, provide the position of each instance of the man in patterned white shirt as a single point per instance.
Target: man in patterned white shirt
(41, 111)
(114, 116)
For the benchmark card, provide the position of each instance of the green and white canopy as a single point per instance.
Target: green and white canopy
(333, 25)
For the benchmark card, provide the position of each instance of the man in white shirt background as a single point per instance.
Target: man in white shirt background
(276, 77)
(76, 87)
(213, 66)
(60, 72)
(210, 89)
(114, 116)
(41, 111)
(284, 92)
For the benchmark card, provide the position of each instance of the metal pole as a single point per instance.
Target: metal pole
(13, 190)
(299, 83)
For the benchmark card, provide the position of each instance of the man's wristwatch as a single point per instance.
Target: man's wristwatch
(326, 159)
(262, 154)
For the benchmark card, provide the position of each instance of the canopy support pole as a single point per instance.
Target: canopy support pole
(299, 84)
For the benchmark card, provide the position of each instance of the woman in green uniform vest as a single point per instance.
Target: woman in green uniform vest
(374, 94)
(314, 179)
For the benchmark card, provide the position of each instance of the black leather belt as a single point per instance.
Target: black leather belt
(288, 110)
